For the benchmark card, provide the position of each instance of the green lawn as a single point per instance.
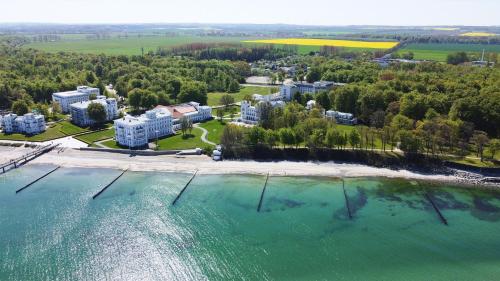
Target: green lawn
(472, 161)
(112, 144)
(215, 129)
(96, 136)
(52, 132)
(126, 46)
(178, 141)
(214, 98)
(439, 52)
(69, 128)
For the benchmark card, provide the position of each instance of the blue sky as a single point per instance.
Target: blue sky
(313, 12)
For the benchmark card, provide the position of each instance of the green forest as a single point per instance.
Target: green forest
(428, 107)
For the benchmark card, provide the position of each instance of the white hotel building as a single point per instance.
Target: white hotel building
(80, 116)
(137, 131)
(30, 124)
(82, 93)
(288, 90)
(251, 115)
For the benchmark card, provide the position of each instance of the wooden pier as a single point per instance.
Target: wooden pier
(109, 184)
(262, 193)
(347, 206)
(26, 157)
(438, 212)
(184, 189)
(31, 183)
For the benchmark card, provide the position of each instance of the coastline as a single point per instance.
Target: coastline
(204, 165)
(76, 158)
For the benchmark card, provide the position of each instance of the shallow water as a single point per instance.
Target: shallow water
(53, 230)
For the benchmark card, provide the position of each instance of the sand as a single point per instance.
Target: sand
(204, 165)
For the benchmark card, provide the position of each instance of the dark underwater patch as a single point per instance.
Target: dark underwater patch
(484, 210)
(358, 201)
(446, 200)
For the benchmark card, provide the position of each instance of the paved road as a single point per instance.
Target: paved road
(204, 135)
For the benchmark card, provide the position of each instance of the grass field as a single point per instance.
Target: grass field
(445, 28)
(126, 46)
(69, 128)
(478, 34)
(96, 136)
(113, 144)
(439, 52)
(327, 42)
(178, 141)
(214, 98)
(52, 132)
(215, 129)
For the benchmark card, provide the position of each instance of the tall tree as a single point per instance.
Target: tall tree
(480, 139)
(96, 112)
(20, 107)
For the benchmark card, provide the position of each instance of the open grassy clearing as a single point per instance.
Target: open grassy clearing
(69, 128)
(179, 141)
(52, 132)
(328, 42)
(215, 129)
(214, 98)
(112, 144)
(439, 52)
(96, 136)
(127, 46)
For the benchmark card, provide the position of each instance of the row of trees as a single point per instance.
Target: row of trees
(466, 93)
(171, 79)
(294, 126)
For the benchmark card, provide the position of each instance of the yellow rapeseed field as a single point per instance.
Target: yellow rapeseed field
(477, 34)
(327, 42)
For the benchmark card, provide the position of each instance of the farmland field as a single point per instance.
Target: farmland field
(126, 46)
(214, 98)
(328, 42)
(439, 52)
(478, 34)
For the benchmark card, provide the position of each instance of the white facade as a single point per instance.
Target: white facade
(137, 131)
(248, 112)
(65, 99)
(251, 114)
(29, 124)
(310, 104)
(288, 90)
(202, 113)
(342, 117)
(80, 116)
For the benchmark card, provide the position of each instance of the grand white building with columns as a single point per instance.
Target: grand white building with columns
(138, 131)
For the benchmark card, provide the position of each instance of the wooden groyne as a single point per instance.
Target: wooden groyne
(31, 183)
(347, 206)
(26, 157)
(438, 212)
(262, 193)
(184, 189)
(109, 184)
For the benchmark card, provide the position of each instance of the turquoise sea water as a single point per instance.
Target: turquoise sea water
(53, 230)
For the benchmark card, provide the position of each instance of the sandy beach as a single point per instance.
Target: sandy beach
(77, 158)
